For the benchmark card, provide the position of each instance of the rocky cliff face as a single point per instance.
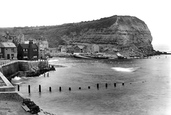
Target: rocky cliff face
(126, 34)
(129, 35)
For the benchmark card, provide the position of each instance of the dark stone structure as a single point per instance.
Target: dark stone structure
(27, 51)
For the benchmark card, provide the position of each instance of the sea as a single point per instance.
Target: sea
(102, 87)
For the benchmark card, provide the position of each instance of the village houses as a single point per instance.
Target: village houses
(39, 49)
(79, 48)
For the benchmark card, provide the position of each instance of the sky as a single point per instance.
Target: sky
(155, 13)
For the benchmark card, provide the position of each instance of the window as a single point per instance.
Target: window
(12, 50)
(12, 56)
(25, 50)
(35, 50)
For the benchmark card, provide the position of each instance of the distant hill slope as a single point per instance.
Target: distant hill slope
(128, 34)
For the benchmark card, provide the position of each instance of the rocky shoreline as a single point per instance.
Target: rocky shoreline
(38, 71)
(114, 56)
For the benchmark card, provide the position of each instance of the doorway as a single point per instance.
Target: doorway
(8, 56)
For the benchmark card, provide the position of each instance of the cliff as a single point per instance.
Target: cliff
(126, 34)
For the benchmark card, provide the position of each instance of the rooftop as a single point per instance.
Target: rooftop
(27, 46)
(7, 44)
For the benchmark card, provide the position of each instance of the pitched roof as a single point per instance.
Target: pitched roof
(7, 44)
(26, 46)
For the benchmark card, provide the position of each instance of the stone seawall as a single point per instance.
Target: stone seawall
(14, 68)
(10, 69)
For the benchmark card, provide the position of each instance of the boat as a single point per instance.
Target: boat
(99, 56)
(90, 56)
(81, 55)
(122, 69)
(120, 56)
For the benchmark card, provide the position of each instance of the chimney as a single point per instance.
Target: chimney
(30, 41)
(30, 50)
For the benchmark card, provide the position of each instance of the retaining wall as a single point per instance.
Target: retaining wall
(12, 69)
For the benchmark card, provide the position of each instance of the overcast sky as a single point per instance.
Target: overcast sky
(155, 13)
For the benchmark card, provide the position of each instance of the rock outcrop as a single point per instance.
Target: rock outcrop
(128, 35)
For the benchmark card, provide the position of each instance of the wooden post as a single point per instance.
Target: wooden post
(50, 89)
(79, 88)
(106, 85)
(18, 87)
(69, 88)
(39, 88)
(114, 84)
(97, 86)
(60, 89)
(29, 89)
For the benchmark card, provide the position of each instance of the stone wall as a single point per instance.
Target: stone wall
(12, 69)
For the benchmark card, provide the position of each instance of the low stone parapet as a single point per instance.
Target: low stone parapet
(7, 85)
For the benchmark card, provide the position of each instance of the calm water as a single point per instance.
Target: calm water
(146, 89)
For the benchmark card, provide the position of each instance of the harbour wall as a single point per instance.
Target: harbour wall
(14, 68)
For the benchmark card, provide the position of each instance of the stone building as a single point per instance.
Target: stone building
(86, 48)
(8, 50)
(28, 51)
(43, 48)
(93, 48)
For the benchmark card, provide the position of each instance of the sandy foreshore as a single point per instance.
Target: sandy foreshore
(10, 104)
(11, 108)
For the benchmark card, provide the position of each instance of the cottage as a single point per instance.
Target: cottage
(91, 48)
(79, 49)
(94, 48)
(43, 48)
(42, 53)
(53, 51)
(63, 49)
(27, 51)
(8, 50)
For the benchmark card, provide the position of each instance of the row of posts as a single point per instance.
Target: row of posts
(60, 88)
